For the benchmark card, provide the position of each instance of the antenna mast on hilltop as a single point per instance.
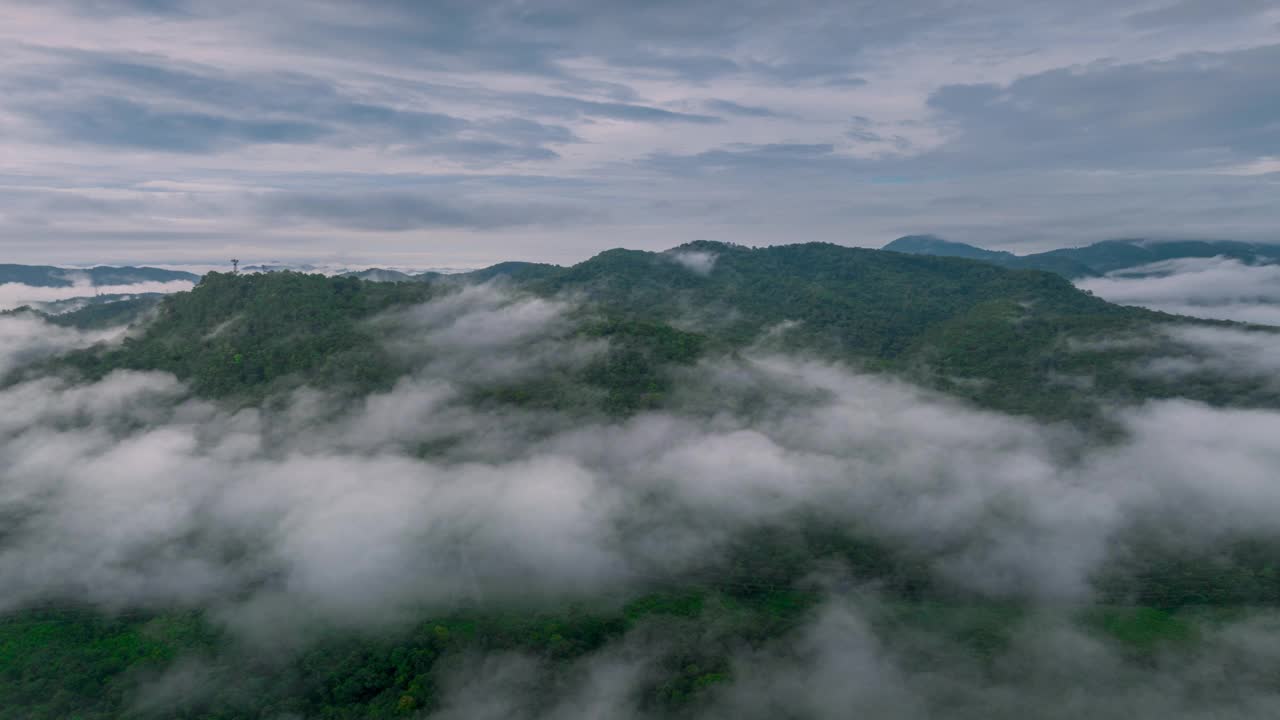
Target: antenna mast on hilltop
(235, 267)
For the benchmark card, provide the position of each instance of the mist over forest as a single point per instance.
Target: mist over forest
(705, 360)
(625, 489)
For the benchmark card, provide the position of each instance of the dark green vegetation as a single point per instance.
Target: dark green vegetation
(75, 663)
(47, 276)
(1092, 260)
(239, 335)
(1007, 339)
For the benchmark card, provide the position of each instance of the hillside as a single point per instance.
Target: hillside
(49, 276)
(1093, 260)
(666, 499)
(995, 336)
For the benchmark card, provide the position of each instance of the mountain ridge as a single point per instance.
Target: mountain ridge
(995, 336)
(104, 275)
(1092, 260)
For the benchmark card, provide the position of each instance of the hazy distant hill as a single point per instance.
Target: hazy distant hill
(381, 275)
(1092, 260)
(517, 271)
(49, 276)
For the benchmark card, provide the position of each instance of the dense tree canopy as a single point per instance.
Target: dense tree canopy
(998, 337)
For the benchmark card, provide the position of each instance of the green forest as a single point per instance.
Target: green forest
(986, 336)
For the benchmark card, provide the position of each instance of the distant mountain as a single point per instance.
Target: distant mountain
(381, 275)
(55, 308)
(280, 267)
(934, 245)
(1111, 255)
(512, 270)
(49, 276)
(104, 313)
(1093, 260)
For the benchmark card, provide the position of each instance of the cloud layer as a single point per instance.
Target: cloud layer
(131, 492)
(467, 133)
(1216, 288)
(14, 295)
(128, 492)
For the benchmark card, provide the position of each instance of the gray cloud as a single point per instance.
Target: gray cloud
(111, 121)
(1181, 12)
(855, 658)
(1161, 124)
(1104, 115)
(815, 157)
(728, 107)
(13, 295)
(26, 338)
(568, 107)
(399, 211)
(1219, 352)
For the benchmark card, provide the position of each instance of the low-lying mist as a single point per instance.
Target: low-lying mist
(14, 295)
(310, 511)
(26, 338)
(1217, 288)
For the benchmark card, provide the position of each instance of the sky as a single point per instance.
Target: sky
(458, 134)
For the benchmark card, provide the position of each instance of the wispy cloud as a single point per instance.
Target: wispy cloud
(1216, 288)
(831, 122)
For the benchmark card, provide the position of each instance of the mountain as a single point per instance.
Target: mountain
(992, 335)
(506, 270)
(934, 245)
(511, 270)
(95, 311)
(381, 275)
(1112, 255)
(934, 516)
(48, 276)
(1093, 260)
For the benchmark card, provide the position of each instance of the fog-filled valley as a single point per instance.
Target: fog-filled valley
(796, 481)
(557, 359)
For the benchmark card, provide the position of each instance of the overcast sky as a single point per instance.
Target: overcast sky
(443, 133)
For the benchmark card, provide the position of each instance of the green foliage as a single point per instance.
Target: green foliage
(242, 335)
(1142, 630)
(1237, 573)
(999, 337)
(1003, 339)
(100, 315)
(983, 630)
(633, 372)
(78, 665)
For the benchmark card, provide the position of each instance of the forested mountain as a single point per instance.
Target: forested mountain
(329, 395)
(1096, 259)
(381, 275)
(48, 276)
(999, 337)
